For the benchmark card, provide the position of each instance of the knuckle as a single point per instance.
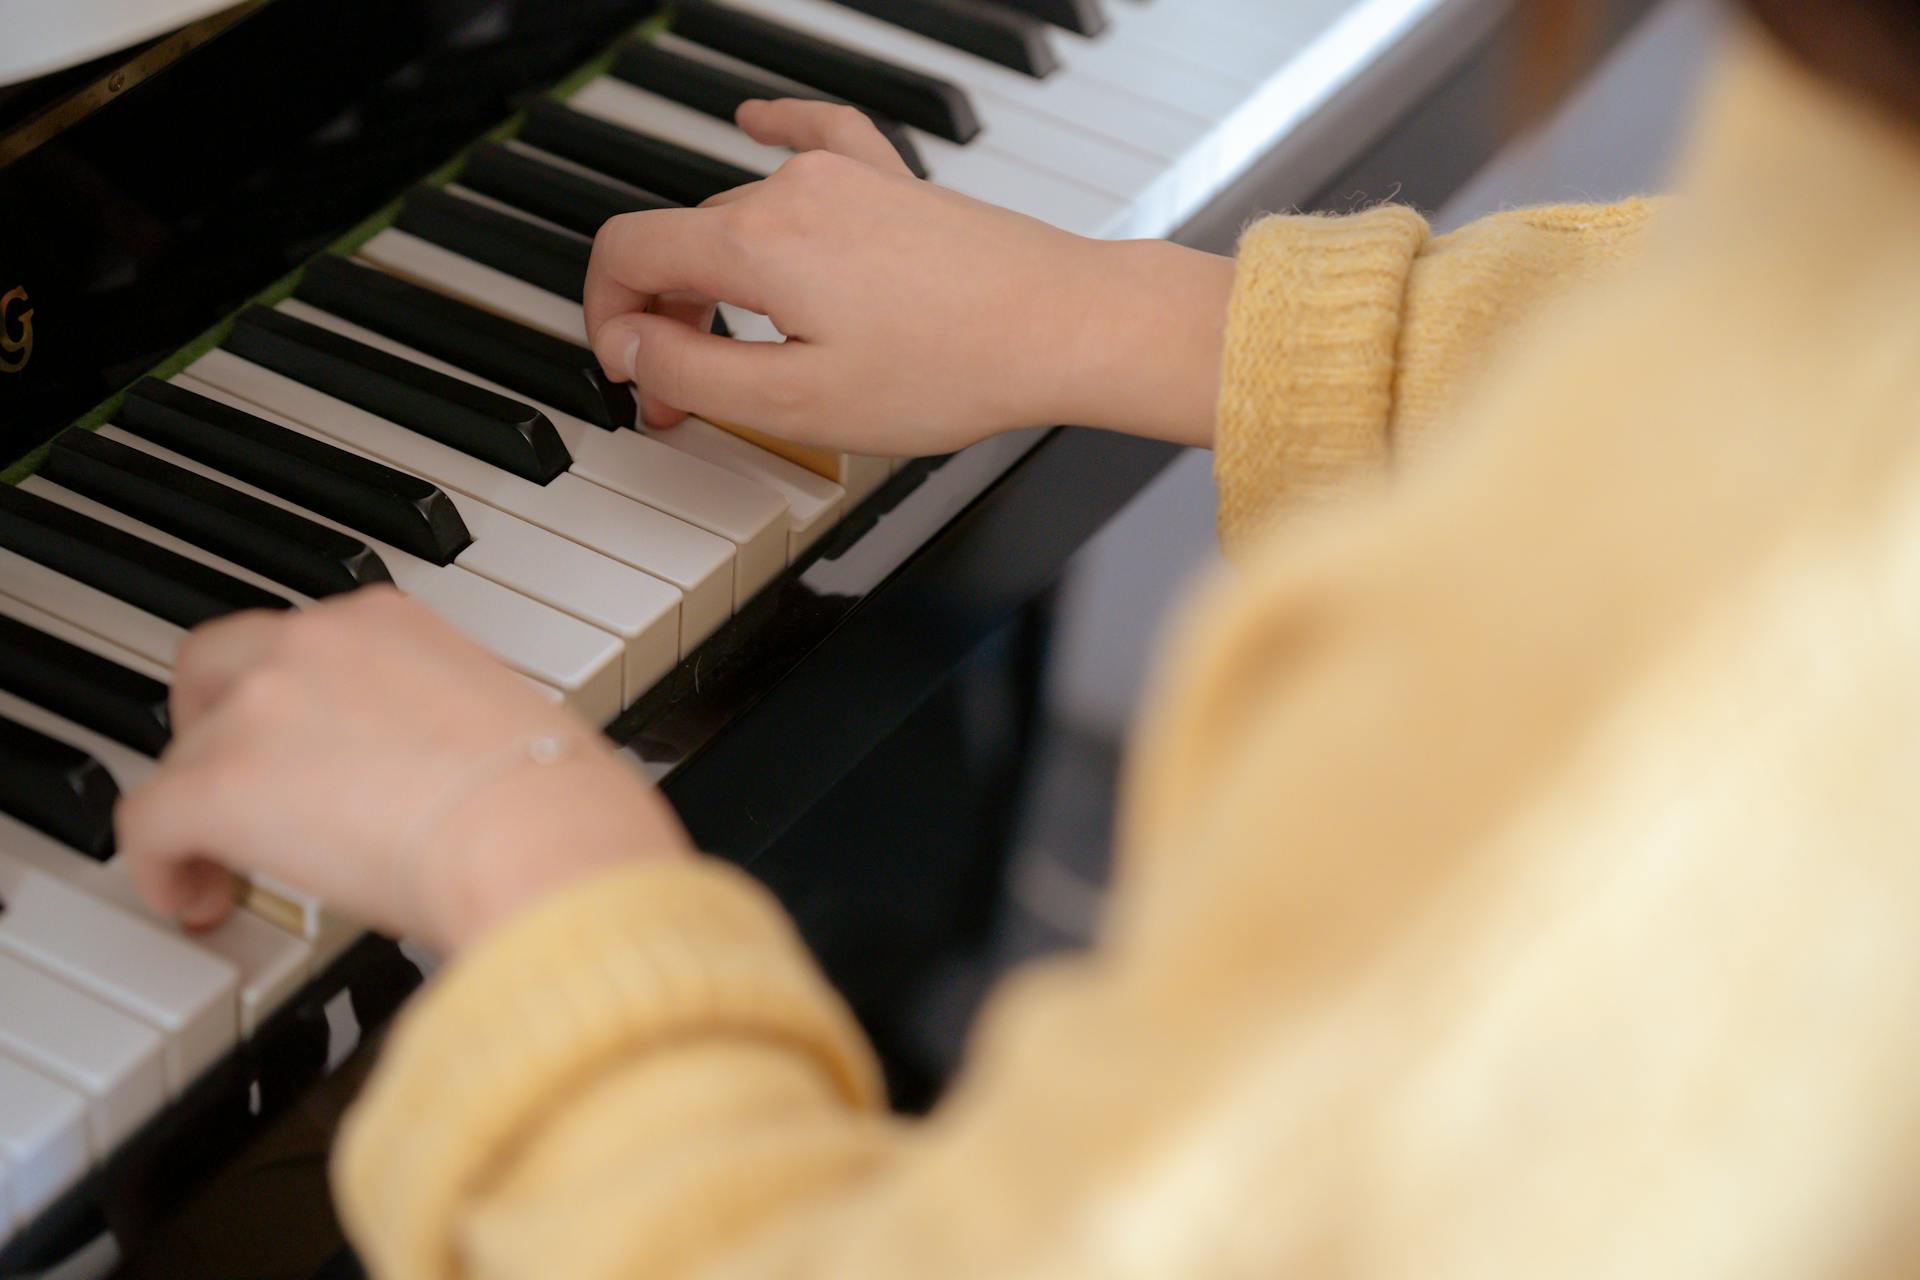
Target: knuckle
(607, 238)
(752, 223)
(812, 167)
(265, 696)
(847, 124)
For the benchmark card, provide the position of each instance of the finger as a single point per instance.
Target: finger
(695, 312)
(216, 655)
(819, 126)
(691, 309)
(696, 372)
(639, 256)
(158, 830)
(656, 412)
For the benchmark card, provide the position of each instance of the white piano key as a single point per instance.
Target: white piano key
(115, 1062)
(1100, 112)
(698, 563)
(814, 503)
(642, 611)
(451, 274)
(81, 638)
(528, 524)
(1120, 173)
(92, 611)
(1123, 59)
(428, 264)
(632, 107)
(563, 651)
(857, 474)
(43, 1139)
(498, 600)
(187, 994)
(583, 662)
(1090, 190)
(749, 326)
(1220, 44)
(981, 169)
(750, 516)
(271, 963)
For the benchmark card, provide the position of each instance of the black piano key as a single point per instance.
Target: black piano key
(719, 91)
(493, 428)
(276, 543)
(652, 164)
(80, 685)
(562, 196)
(552, 371)
(927, 102)
(184, 592)
(58, 789)
(554, 260)
(720, 328)
(999, 35)
(1083, 17)
(358, 492)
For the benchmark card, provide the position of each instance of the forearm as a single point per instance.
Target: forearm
(1141, 343)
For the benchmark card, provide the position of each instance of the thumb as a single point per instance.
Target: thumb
(759, 384)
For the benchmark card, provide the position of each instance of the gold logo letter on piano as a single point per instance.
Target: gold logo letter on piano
(16, 330)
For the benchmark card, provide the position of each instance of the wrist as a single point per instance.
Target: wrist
(530, 832)
(1149, 337)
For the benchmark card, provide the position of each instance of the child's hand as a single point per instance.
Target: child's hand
(919, 321)
(364, 752)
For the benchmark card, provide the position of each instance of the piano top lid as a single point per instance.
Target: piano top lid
(44, 36)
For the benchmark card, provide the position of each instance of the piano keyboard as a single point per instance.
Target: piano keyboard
(424, 412)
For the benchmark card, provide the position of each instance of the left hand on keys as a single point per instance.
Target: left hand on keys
(355, 751)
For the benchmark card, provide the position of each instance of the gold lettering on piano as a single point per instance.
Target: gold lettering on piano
(16, 330)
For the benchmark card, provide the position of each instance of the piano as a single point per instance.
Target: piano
(289, 303)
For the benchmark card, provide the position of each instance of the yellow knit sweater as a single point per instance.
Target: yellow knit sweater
(1520, 870)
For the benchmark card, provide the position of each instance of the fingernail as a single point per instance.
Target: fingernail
(633, 353)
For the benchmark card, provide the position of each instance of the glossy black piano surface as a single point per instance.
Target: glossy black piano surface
(129, 231)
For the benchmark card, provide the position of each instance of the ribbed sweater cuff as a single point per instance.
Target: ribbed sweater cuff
(1312, 344)
(599, 975)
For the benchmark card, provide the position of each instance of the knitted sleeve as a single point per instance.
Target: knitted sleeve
(1352, 338)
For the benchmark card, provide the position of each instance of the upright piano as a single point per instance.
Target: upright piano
(289, 303)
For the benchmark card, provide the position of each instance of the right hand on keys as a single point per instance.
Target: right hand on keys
(919, 321)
